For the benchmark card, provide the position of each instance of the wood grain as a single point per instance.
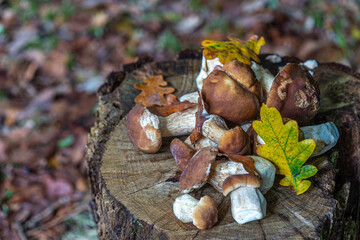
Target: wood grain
(134, 192)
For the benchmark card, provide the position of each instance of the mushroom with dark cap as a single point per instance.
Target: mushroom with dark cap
(295, 94)
(231, 98)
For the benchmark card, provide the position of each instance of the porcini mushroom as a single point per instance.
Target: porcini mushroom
(234, 141)
(197, 171)
(247, 201)
(181, 152)
(295, 94)
(245, 76)
(146, 130)
(202, 213)
(219, 89)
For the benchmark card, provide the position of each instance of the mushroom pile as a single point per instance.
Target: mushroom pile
(225, 154)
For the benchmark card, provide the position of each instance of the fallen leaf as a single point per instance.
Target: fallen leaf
(153, 91)
(65, 142)
(173, 105)
(235, 49)
(283, 148)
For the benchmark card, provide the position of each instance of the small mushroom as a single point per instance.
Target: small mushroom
(234, 141)
(146, 130)
(203, 214)
(231, 98)
(197, 170)
(247, 201)
(295, 94)
(181, 152)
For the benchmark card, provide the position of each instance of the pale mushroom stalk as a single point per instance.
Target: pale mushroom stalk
(201, 143)
(146, 130)
(247, 202)
(214, 128)
(178, 123)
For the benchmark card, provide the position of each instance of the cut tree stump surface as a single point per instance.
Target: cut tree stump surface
(134, 192)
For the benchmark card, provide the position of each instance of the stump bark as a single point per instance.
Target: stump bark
(133, 192)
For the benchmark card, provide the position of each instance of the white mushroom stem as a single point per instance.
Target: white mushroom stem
(184, 207)
(201, 143)
(213, 128)
(247, 203)
(191, 97)
(325, 135)
(207, 66)
(264, 76)
(179, 123)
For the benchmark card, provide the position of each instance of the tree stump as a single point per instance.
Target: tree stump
(133, 192)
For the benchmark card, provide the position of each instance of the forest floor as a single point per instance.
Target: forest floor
(55, 54)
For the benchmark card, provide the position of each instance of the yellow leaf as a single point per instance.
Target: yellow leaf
(234, 49)
(283, 148)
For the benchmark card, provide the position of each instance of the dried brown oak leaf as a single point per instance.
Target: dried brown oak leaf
(172, 105)
(153, 91)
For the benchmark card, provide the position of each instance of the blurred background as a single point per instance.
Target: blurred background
(54, 54)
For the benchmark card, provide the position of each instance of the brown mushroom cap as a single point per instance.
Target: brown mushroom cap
(227, 98)
(142, 130)
(295, 94)
(205, 215)
(235, 141)
(197, 170)
(181, 152)
(244, 75)
(235, 181)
